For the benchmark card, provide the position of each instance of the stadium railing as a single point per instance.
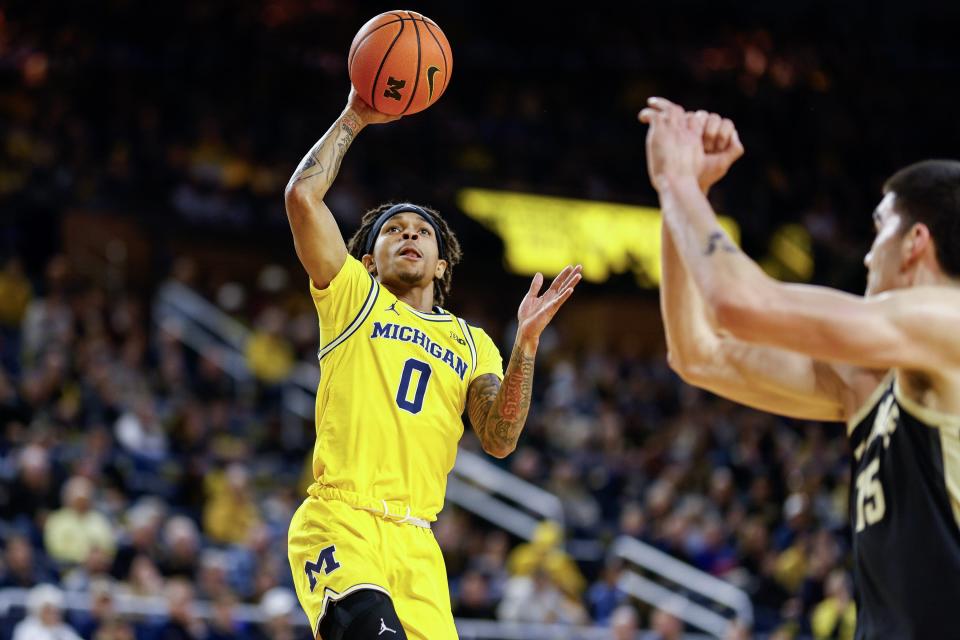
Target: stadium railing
(687, 579)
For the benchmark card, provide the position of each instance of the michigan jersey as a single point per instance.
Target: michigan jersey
(393, 385)
(905, 510)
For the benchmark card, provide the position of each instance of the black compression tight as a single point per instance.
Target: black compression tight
(366, 614)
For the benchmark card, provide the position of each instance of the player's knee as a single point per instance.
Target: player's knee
(365, 614)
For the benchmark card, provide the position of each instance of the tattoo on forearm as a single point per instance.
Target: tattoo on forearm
(718, 240)
(509, 413)
(325, 158)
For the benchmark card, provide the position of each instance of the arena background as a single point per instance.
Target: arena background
(157, 340)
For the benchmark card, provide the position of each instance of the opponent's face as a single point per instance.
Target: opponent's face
(406, 251)
(886, 260)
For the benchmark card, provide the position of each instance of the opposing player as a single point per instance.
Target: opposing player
(888, 363)
(397, 371)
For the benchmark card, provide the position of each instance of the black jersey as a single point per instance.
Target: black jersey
(904, 513)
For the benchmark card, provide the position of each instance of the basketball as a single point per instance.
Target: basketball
(400, 62)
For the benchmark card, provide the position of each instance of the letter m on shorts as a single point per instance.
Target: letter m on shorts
(325, 562)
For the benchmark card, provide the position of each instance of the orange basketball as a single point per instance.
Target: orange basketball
(400, 62)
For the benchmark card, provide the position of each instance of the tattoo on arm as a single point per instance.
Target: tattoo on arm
(480, 399)
(499, 411)
(718, 240)
(326, 156)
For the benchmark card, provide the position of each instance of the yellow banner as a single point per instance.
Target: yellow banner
(542, 233)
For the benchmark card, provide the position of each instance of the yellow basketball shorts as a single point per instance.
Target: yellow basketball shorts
(335, 550)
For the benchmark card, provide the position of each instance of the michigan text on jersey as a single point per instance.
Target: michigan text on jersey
(393, 331)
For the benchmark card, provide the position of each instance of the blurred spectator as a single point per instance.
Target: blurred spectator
(796, 515)
(224, 624)
(624, 623)
(49, 320)
(633, 522)
(231, 512)
(14, 412)
(212, 583)
(605, 595)
(472, 599)
(35, 491)
(101, 614)
(144, 578)
(181, 549)
(269, 354)
(492, 561)
(534, 597)
(277, 606)
(21, 568)
(545, 553)
(15, 294)
(182, 622)
(140, 432)
(737, 631)
(143, 521)
(72, 532)
(115, 630)
(580, 508)
(711, 552)
(664, 626)
(836, 617)
(96, 567)
(44, 619)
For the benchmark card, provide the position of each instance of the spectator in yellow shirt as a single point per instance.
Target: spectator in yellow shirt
(71, 533)
(836, 616)
(230, 513)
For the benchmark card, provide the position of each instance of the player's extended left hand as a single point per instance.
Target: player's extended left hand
(674, 143)
(536, 311)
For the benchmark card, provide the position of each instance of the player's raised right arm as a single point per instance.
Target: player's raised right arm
(316, 237)
(762, 377)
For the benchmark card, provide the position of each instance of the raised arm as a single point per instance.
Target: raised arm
(316, 237)
(762, 377)
(766, 378)
(913, 328)
(499, 411)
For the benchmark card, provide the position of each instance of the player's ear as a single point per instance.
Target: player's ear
(916, 242)
(441, 269)
(369, 264)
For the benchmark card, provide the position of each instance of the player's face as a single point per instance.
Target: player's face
(406, 251)
(884, 262)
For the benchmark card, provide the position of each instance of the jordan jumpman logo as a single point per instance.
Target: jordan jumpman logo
(384, 627)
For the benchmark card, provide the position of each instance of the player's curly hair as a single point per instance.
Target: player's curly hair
(442, 285)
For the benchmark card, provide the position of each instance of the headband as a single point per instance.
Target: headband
(402, 208)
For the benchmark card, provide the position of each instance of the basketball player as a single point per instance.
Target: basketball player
(888, 364)
(396, 372)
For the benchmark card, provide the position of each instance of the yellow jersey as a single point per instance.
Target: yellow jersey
(393, 387)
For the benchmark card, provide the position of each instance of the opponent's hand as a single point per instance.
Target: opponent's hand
(366, 113)
(721, 142)
(536, 311)
(674, 143)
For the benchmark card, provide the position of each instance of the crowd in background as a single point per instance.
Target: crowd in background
(130, 464)
(197, 126)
